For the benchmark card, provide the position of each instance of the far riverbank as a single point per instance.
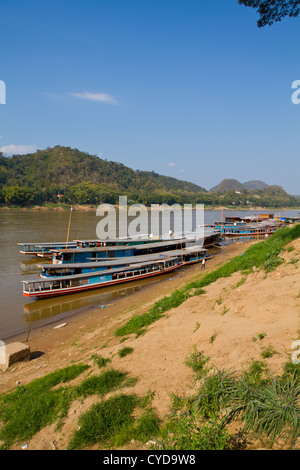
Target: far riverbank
(87, 207)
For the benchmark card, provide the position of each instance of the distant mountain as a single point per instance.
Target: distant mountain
(255, 184)
(228, 185)
(235, 185)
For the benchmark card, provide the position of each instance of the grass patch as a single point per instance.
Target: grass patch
(267, 407)
(125, 351)
(100, 361)
(27, 410)
(111, 423)
(268, 352)
(197, 362)
(241, 282)
(263, 255)
(225, 310)
(191, 433)
(102, 384)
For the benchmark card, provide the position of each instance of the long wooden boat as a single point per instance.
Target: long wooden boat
(55, 286)
(44, 250)
(82, 255)
(240, 230)
(187, 256)
(211, 237)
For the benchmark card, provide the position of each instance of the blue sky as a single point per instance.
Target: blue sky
(190, 89)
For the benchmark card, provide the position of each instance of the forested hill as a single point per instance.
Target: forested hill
(61, 167)
(63, 174)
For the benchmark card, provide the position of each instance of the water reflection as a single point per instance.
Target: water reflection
(29, 266)
(229, 240)
(44, 310)
(47, 308)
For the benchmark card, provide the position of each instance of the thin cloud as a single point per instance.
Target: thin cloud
(171, 164)
(18, 149)
(102, 97)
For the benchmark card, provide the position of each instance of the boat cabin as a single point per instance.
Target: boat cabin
(77, 283)
(82, 255)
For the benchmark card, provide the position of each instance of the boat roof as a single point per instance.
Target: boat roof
(115, 240)
(178, 238)
(58, 244)
(101, 273)
(98, 240)
(131, 247)
(123, 260)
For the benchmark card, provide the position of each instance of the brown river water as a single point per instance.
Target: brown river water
(19, 314)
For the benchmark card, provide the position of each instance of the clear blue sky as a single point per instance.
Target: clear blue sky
(187, 88)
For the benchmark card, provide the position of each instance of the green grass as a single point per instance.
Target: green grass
(268, 352)
(102, 384)
(264, 255)
(125, 351)
(100, 360)
(111, 423)
(27, 410)
(266, 406)
(191, 433)
(198, 363)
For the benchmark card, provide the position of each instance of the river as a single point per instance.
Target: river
(17, 313)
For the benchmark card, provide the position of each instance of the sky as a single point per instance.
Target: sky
(188, 88)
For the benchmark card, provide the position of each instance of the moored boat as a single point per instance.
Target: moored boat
(186, 255)
(55, 286)
(82, 255)
(240, 230)
(43, 249)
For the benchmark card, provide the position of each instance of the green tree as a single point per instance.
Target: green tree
(271, 11)
(18, 195)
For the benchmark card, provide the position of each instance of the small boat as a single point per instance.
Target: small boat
(55, 286)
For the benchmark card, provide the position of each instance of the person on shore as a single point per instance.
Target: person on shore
(203, 263)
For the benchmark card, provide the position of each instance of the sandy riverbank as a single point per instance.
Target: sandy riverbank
(226, 331)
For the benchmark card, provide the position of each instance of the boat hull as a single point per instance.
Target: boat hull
(87, 287)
